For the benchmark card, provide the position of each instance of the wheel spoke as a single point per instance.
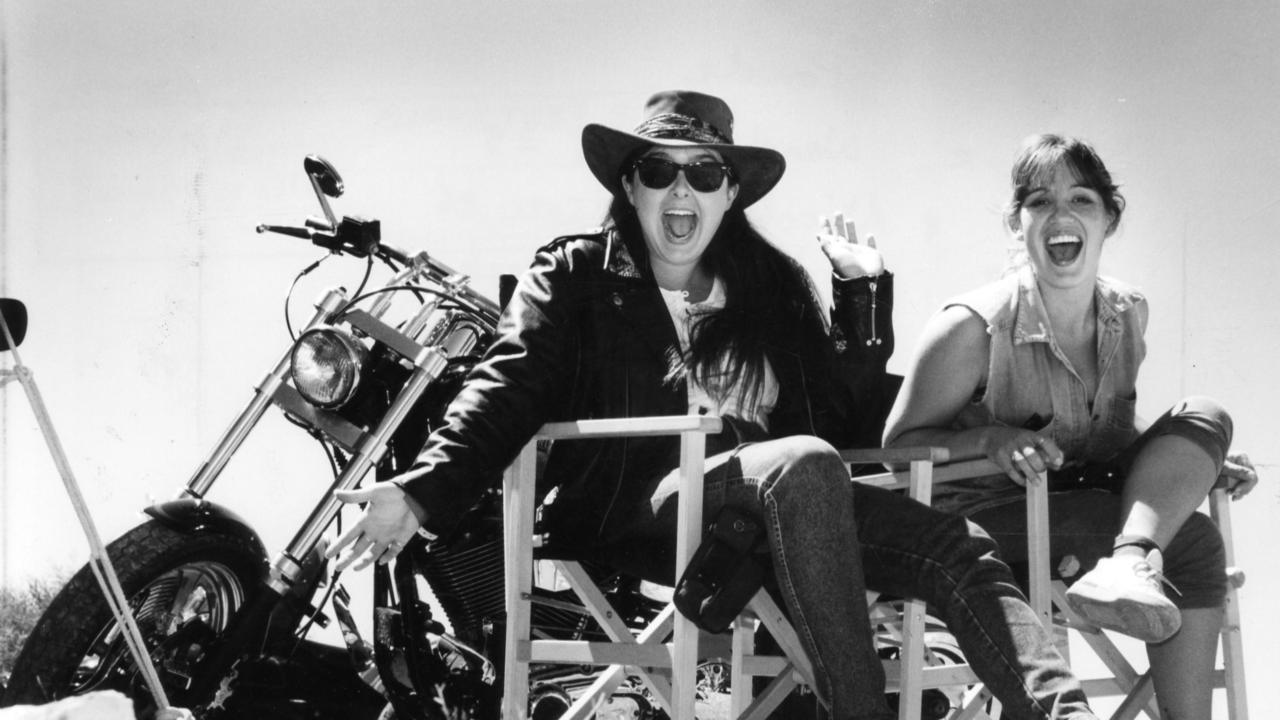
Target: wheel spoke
(203, 592)
(188, 598)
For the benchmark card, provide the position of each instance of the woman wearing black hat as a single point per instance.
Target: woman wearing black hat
(679, 306)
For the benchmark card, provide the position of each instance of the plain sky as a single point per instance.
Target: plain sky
(143, 141)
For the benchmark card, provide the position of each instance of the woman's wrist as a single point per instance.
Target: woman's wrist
(415, 507)
(866, 278)
(849, 275)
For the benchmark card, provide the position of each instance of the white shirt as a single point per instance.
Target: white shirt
(701, 402)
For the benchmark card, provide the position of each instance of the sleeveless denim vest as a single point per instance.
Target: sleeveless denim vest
(1031, 384)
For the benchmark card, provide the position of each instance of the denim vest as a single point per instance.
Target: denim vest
(1031, 384)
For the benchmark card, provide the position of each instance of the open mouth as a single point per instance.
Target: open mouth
(1064, 249)
(679, 224)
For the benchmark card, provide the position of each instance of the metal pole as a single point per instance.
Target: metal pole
(4, 285)
(99, 562)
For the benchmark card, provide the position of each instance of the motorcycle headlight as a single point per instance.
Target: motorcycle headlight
(326, 363)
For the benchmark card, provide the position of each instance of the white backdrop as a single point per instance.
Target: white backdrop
(142, 142)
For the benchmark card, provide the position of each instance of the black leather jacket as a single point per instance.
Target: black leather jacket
(587, 335)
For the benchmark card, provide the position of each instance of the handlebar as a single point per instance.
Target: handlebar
(362, 237)
(437, 269)
(353, 235)
(336, 243)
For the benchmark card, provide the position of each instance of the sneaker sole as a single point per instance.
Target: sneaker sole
(1140, 620)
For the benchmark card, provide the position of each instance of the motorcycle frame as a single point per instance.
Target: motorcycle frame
(429, 339)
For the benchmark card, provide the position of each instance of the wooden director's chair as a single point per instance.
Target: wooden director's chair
(665, 654)
(920, 670)
(668, 667)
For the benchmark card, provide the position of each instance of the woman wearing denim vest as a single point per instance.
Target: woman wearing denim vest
(1037, 372)
(679, 306)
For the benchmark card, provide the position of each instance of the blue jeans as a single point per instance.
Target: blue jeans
(831, 539)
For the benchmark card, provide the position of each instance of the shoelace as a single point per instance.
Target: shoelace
(1149, 574)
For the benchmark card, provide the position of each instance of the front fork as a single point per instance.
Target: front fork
(366, 448)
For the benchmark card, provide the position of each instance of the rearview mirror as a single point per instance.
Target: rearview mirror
(15, 317)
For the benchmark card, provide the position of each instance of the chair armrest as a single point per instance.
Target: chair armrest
(633, 427)
(871, 456)
(944, 470)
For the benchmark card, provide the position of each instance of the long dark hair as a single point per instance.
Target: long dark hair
(766, 294)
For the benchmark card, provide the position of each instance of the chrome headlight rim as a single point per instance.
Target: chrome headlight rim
(344, 359)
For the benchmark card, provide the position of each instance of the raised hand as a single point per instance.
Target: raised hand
(849, 258)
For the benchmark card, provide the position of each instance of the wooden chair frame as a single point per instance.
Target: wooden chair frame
(928, 466)
(669, 668)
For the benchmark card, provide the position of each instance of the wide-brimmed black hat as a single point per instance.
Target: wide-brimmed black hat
(681, 118)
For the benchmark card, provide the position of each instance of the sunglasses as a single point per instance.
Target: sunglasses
(704, 175)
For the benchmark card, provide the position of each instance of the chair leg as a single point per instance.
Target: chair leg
(617, 630)
(974, 704)
(912, 661)
(764, 608)
(744, 644)
(518, 506)
(1232, 643)
(1140, 698)
(793, 669)
(911, 667)
(769, 700)
(1125, 677)
(1038, 548)
(584, 707)
(684, 640)
(1233, 660)
(743, 703)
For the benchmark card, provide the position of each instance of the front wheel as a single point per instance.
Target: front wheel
(183, 590)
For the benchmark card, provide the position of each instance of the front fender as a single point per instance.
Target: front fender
(195, 516)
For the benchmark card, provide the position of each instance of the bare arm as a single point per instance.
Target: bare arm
(949, 367)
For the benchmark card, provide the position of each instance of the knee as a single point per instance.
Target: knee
(1206, 410)
(1205, 422)
(1207, 414)
(1196, 564)
(810, 466)
(809, 452)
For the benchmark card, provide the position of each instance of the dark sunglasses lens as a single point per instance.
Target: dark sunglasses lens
(704, 178)
(656, 173)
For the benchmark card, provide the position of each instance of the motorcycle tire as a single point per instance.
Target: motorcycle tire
(182, 587)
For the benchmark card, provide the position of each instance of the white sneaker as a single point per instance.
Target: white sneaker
(1124, 594)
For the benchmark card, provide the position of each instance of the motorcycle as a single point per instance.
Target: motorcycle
(368, 376)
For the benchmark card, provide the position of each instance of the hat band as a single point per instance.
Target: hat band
(673, 126)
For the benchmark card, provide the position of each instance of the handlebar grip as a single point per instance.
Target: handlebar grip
(395, 253)
(304, 233)
(356, 243)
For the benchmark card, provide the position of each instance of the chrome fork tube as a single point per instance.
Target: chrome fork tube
(288, 563)
(235, 435)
